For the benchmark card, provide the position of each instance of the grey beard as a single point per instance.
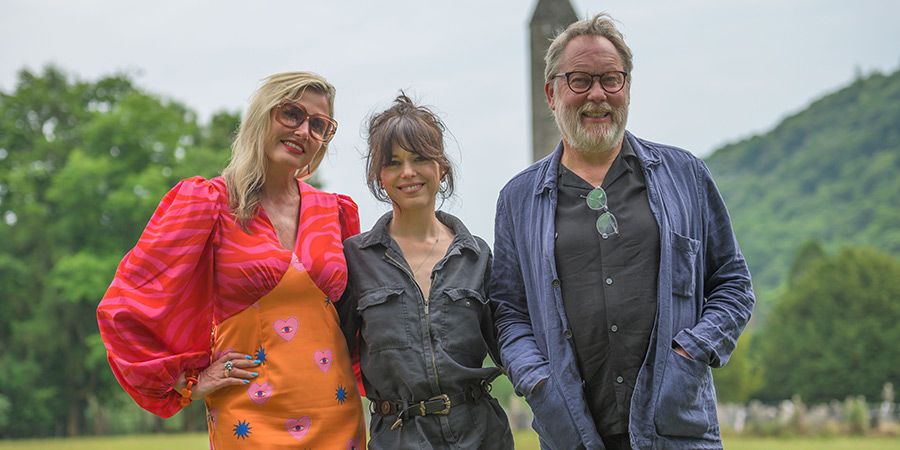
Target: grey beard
(591, 143)
(604, 143)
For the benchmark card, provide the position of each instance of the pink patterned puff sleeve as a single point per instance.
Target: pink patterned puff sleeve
(156, 317)
(348, 215)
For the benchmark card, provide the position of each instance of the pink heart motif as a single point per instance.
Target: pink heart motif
(286, 328)
(298, 428)
(221, 353)
(211, 416)
(353, 444)
(323, 359)
(295, 263)
(260, 393)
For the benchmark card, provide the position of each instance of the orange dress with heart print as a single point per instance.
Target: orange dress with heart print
(197, 286)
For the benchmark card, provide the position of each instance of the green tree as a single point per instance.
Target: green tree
(834, 333)
(810, 252)
(82, 167)
(829, 172)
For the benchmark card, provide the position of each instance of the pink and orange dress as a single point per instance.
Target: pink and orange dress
(197, 286)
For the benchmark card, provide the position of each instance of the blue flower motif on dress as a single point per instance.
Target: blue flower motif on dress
(341, 394)
(242, 429)
(261, 355)
(327, 301)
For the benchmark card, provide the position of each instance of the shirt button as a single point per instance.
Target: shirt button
(608, 281)
(619, 379)
(555, 235)
(555, 283)
(614, 328)
(567, 334)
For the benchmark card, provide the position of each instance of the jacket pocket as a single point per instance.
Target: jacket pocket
(552, 419)
(686, 405)
(684, 261)
(385, 321)
(460, 323)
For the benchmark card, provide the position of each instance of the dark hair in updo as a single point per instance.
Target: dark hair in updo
(415, 128)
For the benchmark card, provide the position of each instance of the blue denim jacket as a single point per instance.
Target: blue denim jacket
(705, 300)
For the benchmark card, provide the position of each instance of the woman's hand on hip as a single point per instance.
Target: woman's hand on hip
(232, 369)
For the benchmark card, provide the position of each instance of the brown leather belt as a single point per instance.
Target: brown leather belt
(439, 404)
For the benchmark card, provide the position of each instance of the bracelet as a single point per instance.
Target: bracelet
(191, 377)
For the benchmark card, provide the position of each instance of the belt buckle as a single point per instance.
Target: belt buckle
(443, 397)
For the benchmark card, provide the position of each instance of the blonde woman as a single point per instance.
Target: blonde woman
(227, 296)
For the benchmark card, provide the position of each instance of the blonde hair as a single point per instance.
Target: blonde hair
(246, 172)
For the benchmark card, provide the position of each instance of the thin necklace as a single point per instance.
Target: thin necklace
(428, 255)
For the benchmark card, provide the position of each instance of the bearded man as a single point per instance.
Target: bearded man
(617, 281)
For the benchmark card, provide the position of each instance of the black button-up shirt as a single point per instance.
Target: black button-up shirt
(609, 285)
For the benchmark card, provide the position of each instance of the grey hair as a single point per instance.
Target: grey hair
(600, 25)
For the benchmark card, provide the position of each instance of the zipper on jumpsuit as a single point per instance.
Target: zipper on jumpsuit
(399, 421)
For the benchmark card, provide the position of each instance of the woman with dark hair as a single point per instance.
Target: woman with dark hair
(227, 295)
(416, 300)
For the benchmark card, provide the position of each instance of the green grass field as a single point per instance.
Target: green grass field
(525, 440)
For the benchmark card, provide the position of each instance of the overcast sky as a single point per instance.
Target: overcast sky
(706, 72)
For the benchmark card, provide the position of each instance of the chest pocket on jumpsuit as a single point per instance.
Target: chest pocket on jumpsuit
(385, 318)
(460, 322)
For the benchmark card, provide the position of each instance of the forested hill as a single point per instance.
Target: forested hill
(830, 172)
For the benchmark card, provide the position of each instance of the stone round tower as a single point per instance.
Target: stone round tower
(550, 17)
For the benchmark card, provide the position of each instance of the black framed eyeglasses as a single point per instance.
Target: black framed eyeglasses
(606, 223)
(581, 82)
(292, 115)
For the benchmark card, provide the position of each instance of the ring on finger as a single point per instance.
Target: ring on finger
(228, 367)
